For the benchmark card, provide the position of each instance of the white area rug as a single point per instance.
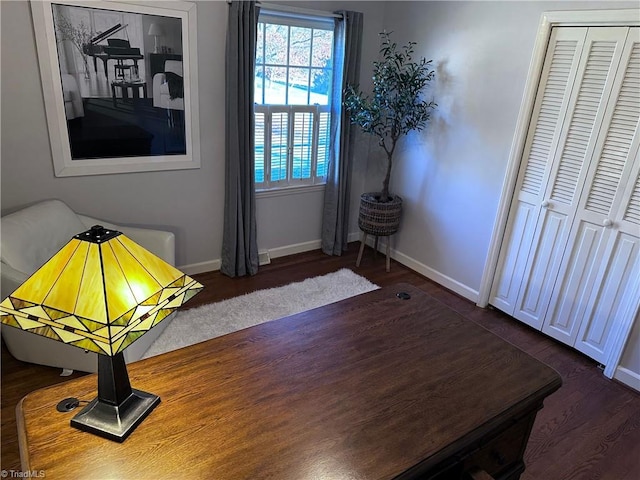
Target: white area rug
(216, 319)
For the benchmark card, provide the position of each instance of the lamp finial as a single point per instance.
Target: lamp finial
(97, 234)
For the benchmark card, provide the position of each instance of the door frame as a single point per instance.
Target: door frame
(548, 20)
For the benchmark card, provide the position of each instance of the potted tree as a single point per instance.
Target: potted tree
(394, 108)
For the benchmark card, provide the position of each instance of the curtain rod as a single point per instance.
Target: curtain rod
(303, 11)
(291, 9)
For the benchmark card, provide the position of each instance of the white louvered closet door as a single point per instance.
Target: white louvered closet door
(568, 258)
(551, 106)
(596, 280)
(558, 158)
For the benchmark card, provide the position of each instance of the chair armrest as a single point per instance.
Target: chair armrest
(158, 242)
(162, 243)
(158, 80)
(10, 280)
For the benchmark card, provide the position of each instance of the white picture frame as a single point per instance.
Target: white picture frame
(71, 160)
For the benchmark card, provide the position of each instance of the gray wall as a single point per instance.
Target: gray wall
(450, 176)
(188, 202)
(630, 360)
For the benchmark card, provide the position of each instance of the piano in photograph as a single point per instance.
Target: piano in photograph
(116, 49)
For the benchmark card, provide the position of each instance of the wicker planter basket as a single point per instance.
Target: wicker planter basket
(379, 218)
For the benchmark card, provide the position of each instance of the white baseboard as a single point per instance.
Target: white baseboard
(430, 273)
(628, 377)
(436, 276)
(422, 269)
(202, 267)
(265, 257)
(354, 237)
(295, 248)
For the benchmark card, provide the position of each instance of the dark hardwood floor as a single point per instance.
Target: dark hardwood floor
(589, 429)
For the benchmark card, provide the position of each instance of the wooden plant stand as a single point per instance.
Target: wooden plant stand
(381, 219)
(363, 241)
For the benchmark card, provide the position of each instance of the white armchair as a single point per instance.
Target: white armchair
(33, 235)
(161, 91)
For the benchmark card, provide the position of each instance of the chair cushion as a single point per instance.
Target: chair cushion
(31, 236)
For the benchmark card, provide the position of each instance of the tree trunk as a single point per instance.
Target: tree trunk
(385, 197)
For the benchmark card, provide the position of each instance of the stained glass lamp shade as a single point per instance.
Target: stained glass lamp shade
(101, 292)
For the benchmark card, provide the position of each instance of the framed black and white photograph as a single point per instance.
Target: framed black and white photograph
(120, 85)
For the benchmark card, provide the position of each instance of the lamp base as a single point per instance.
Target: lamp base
(115, 422)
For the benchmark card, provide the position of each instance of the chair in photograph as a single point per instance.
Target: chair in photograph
(168, 88)
(164, 84)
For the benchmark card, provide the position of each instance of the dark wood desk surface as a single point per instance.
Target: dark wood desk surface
(370, 387)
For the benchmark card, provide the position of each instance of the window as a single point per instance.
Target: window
(294, 70)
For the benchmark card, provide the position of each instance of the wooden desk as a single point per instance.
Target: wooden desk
(370, 387)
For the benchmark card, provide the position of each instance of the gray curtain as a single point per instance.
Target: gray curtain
(335, 217)
(239, 245)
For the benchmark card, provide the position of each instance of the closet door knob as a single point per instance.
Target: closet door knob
(546, 204)
(607, 222)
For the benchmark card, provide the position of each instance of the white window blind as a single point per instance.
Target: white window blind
(292, 145)
(294, 72)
